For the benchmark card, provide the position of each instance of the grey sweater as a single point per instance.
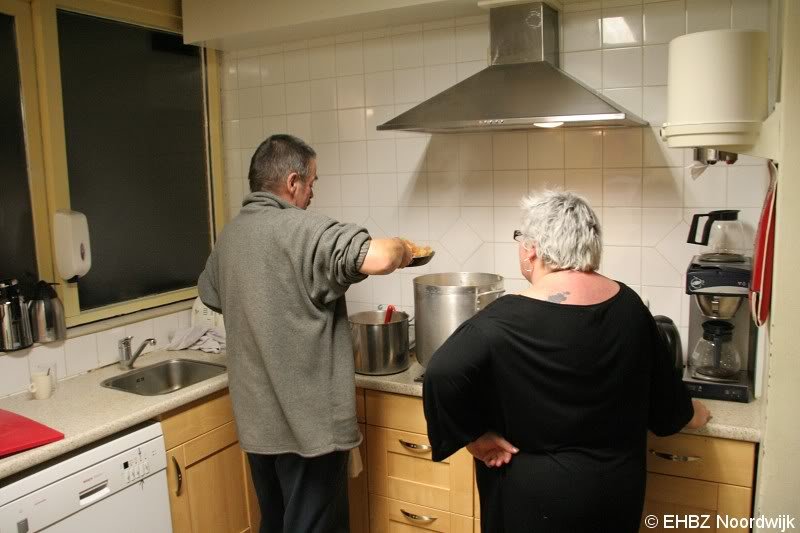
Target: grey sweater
(279, 274)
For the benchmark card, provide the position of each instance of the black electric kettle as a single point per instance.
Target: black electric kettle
(669, 332)
(15, 326)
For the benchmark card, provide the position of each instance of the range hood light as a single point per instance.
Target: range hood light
(548, 124)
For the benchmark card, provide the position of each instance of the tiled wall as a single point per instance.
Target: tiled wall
(460, 193)
(81, 354)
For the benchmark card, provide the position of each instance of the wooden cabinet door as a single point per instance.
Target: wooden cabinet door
(215, 484)
(178, 496)
(357, 492)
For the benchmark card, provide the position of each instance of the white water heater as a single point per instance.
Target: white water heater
(717, 93)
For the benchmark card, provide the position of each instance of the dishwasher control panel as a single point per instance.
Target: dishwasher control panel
(135, 468)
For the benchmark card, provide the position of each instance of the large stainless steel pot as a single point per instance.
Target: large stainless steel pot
(442, 302)
(378, 348)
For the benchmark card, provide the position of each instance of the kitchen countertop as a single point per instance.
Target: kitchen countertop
(86, 412)
(730, 420)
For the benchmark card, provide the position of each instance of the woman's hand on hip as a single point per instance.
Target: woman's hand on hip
(492, 449)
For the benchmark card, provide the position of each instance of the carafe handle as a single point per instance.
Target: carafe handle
(706, 229)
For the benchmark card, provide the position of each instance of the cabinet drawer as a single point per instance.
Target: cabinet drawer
(706, 458)
(395, 411)
(387, 515)
(400, 467)
(196, 418)
(671, 497)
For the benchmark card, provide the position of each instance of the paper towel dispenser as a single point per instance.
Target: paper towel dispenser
(717, 96)
(73, 251)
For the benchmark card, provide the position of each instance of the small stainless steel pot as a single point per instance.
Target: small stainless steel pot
(380, 349)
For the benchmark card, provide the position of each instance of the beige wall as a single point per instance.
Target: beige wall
(779, 468)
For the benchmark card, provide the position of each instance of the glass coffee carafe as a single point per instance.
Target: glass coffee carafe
(723, 233)
(715, 358)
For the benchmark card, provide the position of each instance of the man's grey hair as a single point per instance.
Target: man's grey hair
(275, 159)
(564, 230)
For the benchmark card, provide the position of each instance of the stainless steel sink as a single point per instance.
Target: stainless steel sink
(164, 377)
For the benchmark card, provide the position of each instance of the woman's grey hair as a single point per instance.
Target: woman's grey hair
(275, 159)
(564, 230)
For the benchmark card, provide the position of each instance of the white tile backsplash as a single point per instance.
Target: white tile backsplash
(273, 100)
(325, 127)
(14, 372)
(460, 192)
(298, 97)
(655, 64)
(350, 91)
(581, 31)
(622, 26)
(248, 72)
(379, 88)
(351, 124)
(583, 148)
(472, 42)
(323, 94)
(704, 15)
(250, 102)
(322, 62)
(622, 67)
(409, 85)
(296, 65)
(439, 46)
(586, 66)
(80, 354)
(663, 21)
(271, 67)
(407, 50)
(510, 151)
(438, 78)
(378, 55)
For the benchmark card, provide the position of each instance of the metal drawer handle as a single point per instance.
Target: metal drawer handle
(675, 458)
(178, 475)
(421, 519)
(416, 448)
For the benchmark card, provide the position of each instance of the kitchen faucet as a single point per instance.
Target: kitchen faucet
(126, 360)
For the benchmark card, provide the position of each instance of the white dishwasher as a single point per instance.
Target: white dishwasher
(118, 485)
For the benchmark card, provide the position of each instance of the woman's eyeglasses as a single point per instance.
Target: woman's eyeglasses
(518, 235)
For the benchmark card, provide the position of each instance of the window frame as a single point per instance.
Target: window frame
(162, 15)
(20, 10)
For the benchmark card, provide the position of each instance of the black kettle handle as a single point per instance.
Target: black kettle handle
(671, 336)
(706, 229)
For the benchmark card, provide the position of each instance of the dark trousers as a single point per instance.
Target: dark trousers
(301, 494)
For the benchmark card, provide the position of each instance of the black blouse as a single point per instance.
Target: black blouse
(575, 388)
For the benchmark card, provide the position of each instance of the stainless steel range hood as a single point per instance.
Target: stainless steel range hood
(522, 89)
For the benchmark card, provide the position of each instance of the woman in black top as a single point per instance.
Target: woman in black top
(553, 390)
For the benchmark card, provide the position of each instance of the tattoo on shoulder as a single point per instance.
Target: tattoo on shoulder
(558, 297)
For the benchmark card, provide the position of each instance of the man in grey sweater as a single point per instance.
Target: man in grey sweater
(278, 273)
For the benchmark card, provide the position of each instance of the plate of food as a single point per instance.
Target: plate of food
(420, 255)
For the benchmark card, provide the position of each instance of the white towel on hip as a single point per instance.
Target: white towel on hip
(204, 338)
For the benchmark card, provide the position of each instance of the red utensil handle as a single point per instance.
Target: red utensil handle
(389, 311)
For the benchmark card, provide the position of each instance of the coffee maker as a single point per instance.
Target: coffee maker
(722, 336)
